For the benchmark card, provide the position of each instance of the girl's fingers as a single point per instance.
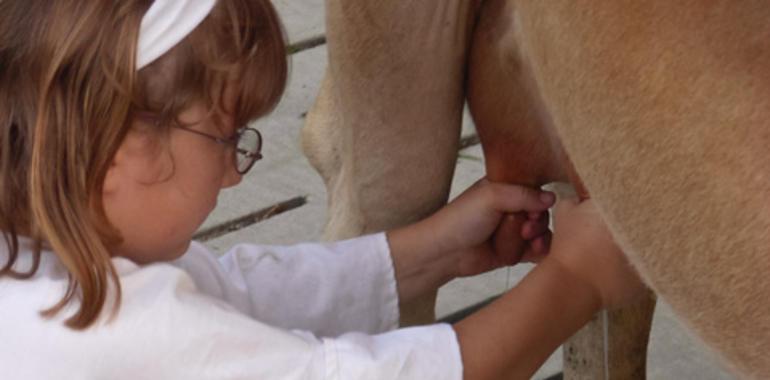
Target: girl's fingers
(513, 198)
(532, 229)
(535, 215)
(538, 249)
(507, 242)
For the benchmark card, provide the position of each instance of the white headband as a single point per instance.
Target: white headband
(165, 24)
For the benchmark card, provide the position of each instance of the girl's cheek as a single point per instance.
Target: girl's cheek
(159, 169)
(145, 160)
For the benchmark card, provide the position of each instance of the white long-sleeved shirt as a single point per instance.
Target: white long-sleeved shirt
(310, 311)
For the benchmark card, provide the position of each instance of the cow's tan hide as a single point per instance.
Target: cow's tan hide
(661, 105)
(663, 108)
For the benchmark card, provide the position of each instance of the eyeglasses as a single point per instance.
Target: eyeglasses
(246, 142)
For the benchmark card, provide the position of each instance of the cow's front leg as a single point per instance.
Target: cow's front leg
(385, 128)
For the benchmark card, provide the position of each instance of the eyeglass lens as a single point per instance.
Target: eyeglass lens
(248, 149)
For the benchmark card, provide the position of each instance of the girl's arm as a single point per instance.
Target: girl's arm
(514, 335)
(583, 272)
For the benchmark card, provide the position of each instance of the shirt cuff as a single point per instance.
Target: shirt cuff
(424, 353)
(391, 314)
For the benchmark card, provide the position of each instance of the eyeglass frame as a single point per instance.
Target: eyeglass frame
(231, 141)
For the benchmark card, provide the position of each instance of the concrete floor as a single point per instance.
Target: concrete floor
(284, 175)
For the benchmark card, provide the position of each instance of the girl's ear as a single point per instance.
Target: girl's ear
(110, 180)
(121, 163)
(112, 177)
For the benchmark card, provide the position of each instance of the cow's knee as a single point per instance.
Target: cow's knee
(320, 136)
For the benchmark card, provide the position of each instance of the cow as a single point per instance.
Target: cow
(658, 110)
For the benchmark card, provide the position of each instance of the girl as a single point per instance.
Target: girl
(120, 123)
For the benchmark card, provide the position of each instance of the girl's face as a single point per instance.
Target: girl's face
(157, 193)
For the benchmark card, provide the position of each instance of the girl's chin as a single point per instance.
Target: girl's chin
(159, 255)
(179, 251)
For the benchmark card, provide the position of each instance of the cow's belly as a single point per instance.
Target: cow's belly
(520, 145)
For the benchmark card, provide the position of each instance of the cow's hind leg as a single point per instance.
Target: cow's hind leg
(385, 128)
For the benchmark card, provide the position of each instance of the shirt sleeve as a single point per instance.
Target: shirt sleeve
(328, 289)
(426, 352)
(168, 330)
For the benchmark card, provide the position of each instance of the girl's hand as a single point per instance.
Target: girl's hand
(457, 240)
(471, 220)
(519, 237)
(584, 246)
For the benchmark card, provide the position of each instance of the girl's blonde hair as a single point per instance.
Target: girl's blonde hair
(68, 94)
